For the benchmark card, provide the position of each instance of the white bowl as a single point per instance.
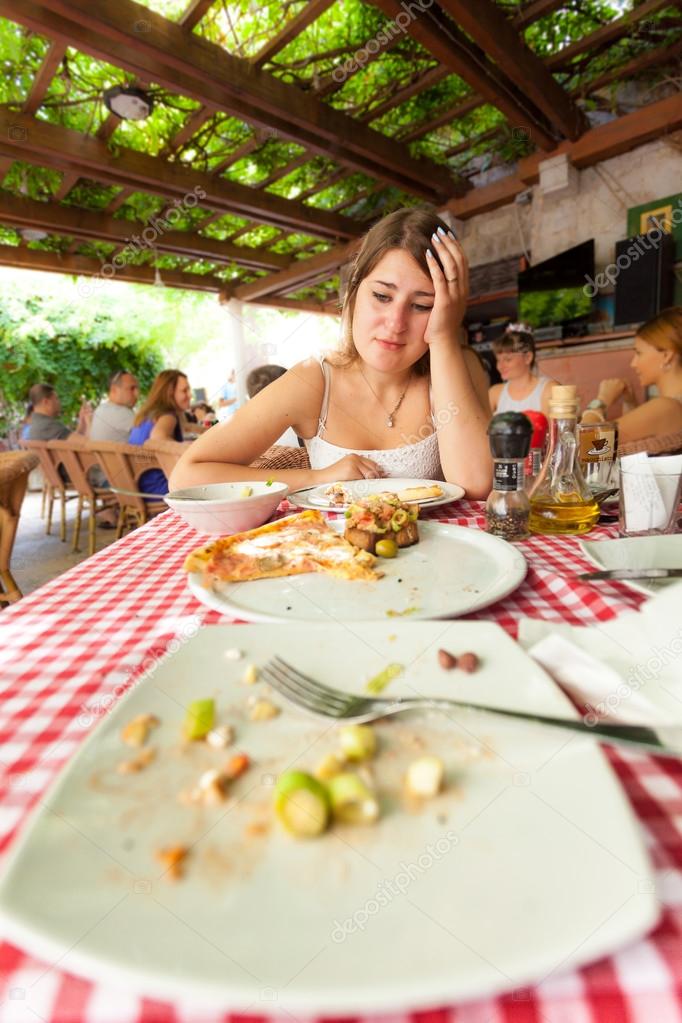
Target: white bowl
(224, 508)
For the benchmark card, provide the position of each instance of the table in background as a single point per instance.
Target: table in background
(70, 648)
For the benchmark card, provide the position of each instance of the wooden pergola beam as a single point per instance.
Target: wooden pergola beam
(95, 226)
(293, 28)
(53, 262)
(486, 24)
(425, 81)
(298, 274)
(655, 58)
(41, 82)
(193, 13)
(606, 35)
(535, 10)
(67, 150)
(298, 305)
(597, 144)
(205, 72)
(449, 45)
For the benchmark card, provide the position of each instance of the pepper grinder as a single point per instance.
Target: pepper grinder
(507, 509)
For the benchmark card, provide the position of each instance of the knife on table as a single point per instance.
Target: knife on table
(634, 573)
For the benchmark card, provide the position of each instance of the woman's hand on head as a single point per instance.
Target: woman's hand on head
(451, 285)
(350, 467)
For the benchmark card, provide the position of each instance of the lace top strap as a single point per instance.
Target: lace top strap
(324, 408)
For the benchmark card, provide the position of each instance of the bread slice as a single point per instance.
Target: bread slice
(420, 493)
(367, 540)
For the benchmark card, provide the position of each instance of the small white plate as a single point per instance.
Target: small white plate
(529, 864)
(638, 552)
(314, 497)
(452, 571)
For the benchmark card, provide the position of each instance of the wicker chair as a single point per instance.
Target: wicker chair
(123, 464)
(668, 444)
(79, 460)
(15, 467)
(50, 463)
(281, 457)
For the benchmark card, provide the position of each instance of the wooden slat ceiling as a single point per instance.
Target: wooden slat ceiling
(288, 159)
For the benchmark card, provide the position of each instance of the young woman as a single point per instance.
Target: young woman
(160, 418)
(522, 387)
(657, 361)
(397, 400)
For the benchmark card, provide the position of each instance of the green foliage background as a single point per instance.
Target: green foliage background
(50, 334)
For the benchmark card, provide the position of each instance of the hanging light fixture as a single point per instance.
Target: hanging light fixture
(128, 102)
(33, 234)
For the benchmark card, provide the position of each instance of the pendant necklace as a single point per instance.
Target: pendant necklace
(390, 415)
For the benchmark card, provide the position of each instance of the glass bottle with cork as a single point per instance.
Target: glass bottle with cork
(507, 508)
(561, 501)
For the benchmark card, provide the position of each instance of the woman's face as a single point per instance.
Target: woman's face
(512, 365)
(648, 362)
(182, 395)
(392, 308)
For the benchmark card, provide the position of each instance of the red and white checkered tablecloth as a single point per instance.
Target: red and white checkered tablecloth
(80, 641)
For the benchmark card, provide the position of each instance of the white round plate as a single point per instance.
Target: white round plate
(452, 571)
(314, 497)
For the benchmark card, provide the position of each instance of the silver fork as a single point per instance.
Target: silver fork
(323, 701)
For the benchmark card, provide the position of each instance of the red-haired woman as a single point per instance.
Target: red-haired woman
(160, 418)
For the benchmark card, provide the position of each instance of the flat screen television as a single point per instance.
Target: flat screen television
(552, 293)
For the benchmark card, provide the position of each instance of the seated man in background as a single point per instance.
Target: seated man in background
(114, 417)
(46, 407)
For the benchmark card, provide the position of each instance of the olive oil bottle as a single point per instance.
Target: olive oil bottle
(561, 501)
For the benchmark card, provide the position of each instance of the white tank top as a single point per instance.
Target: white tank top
(532, 401)
(415, 461)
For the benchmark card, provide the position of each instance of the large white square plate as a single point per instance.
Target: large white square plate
(529, 864)
(638, 552)
(452, 571)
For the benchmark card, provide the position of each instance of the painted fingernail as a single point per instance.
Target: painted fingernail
(452, 235)
(441, 230)
(429, 253)
(436, 239)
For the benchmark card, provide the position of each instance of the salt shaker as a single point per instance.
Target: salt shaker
(507, 509)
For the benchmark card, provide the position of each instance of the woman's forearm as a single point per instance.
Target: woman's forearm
(188, 473)
(461, 423)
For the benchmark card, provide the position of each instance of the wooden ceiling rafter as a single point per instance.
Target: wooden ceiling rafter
(438, 34)
(67, 150)
(655, 58)
(495, 34)
(607, 35)
(53, 262)
(298, 274)
(310, 13)
(41, 82)
(208, 74)
(193, 13)
(90, 225)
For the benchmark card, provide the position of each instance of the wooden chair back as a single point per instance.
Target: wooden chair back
(15, 467)
(49, 462)
(123, 465)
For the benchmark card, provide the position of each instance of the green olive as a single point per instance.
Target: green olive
(386, 548)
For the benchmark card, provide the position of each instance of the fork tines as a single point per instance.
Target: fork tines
(305, 691)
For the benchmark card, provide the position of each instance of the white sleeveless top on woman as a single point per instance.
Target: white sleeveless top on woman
(414, 461)
(532, 401)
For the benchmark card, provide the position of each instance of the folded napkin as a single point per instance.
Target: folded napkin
(650, 490)
(628, 669)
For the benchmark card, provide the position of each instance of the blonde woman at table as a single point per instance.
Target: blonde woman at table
(396, 400)
(657, 361)
(522, 386)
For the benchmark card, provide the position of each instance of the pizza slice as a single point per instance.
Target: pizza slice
(290, 546)
(420, 493)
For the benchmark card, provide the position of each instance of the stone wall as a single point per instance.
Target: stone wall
(592, 204)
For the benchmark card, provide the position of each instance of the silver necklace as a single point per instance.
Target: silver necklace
(390, 415)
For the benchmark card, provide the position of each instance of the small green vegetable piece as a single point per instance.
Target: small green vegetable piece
(268, 483)
(302, 804)
(386, 548)
(379, 682)
(358, 742)
(399, 518)
(199, 719)
(352, 801)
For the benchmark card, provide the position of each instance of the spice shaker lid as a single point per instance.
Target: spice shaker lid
(509, 434)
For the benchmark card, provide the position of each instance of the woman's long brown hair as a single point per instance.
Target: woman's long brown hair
(160, 398)
(409, 229)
